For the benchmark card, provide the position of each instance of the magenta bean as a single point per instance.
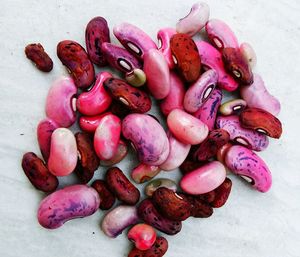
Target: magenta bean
(89, 124)
(221, 34)
(96, 33)
(143, 236)
(45, 129)
(186, 128)
(207, 113)
(134, 39)
(164, 36)
(212, 58)
(247, 137)
(60, 102)
(174, 99)
(76, 201)
(251, 167)
(119, 58)
(200, 91)
(96, 100)
(63, 152)
(178, 153)
(204, 179)
(148, 137)
(157, 73)
(107, 136)
(257, 95)
(195, 20)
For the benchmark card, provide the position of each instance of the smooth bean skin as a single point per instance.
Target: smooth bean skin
(119, 156)
(249, 54)
(143, 172)
(200, 91)
(186, 128)
(157, 73)
(59, 102)
(63, 152)
(247, 137)
(107, 197)
(142, 235)
(235, 106)
(89, 124)
(207, 113)
(222, 151)
(148, 137)
(136, 77)
(221, 34)
(247, 164)
(204, 179)
(71, 202)
(195, 20)
(134, 39)
(212, 58)
(96, 100)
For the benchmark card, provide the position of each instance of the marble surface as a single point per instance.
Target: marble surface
(251, 224)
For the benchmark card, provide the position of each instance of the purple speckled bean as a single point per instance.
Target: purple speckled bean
(134, 39)
(207, 113)
(200, 91)
(118, 219)
(247, 137)
(72, 202)
(251, 167)
(148, 137)
(212, 58)
(119, 58)
(164, 36)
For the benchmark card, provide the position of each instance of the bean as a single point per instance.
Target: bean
(235, 106)
(142, 235)
(107, 197)
(143, 173)
(37, 54)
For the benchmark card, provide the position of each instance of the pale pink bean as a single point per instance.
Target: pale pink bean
(63, 152)
(195, 20)
(157, 73)
(249, 54)
(89, 124)
(59, 102)
(174, 99)
(204, 179)
(44, 133)
(257, 95)
(97, 100)
(178, 152)
(186, 128)
(212, 59)
(164, 36)
(119, 156)
(107, 136)
(221, 34)
(200, 91)
(143, 172)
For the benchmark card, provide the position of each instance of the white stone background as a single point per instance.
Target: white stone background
(251, 224)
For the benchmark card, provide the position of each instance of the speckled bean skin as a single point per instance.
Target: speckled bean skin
(207, 113)
(149, 214)
(257, 95)
(45, 129)
(249, 54)
(244, 162)
(164, 36)
(119, 58)
(159, 249)
(134, 39)
(200, 91)
(72, 202)
(247, 137)
(96, 33)
(212, 58)
(96, 100)
(143, 173)
(59, 102)
(75, 58)
(148, 136)
(189, 165)
(200, 208)
(221, 34)
(37, 54)
(195, 20)
(235, 106)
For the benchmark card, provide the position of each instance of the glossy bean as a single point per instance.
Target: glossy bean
(37, 54)
(118, 157)
(249, 54)
(142, 235)
(235, 106)
(136, 77)
(143, 173)
(222, 151)
(164, 36)
(153, 185)
(89, 124)
(107, 197)
(158, 249)
(222, 193)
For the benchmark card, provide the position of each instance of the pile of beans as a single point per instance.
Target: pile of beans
(204, 137)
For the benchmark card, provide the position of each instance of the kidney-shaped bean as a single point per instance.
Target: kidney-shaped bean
(107, 198)
(89, 124)
(37, 54)
(235, 106)
(119, 156)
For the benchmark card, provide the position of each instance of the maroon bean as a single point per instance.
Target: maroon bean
(222, 193)
(107, 198)
(37, 54)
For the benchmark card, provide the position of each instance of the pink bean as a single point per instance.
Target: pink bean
(119, 156)
(204, 179)
(60, 102)
(107, 136)
(249, 54)
(89, 124)
(143, 236)
(63, 152)
(97, 100)
(212, 58)
(221, 34)
(164, 36)
(186, 128)
(251, 167)
(157, 73)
